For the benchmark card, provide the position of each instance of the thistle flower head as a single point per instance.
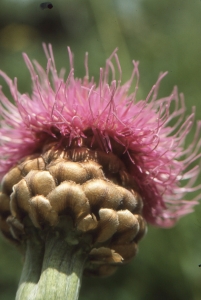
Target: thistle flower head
(139, 132)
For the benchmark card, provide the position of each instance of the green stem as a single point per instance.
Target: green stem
(32, 267)
(60, 275)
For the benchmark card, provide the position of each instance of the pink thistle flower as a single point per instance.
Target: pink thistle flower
(63, 110)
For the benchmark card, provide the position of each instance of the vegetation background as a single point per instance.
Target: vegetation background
(162, 35)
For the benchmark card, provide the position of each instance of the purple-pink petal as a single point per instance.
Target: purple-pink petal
(156, 149)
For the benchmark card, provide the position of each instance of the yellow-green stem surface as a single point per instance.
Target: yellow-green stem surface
(52, 271)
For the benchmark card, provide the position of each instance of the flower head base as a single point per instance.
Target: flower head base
(139, 132)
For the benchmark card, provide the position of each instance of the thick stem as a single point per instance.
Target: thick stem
(32, 267)
(60, 272)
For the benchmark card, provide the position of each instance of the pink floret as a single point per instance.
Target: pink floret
(153, 137)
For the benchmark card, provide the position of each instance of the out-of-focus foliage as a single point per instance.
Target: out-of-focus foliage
(162, 35)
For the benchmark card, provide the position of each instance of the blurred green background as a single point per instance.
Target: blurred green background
(162, 35)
